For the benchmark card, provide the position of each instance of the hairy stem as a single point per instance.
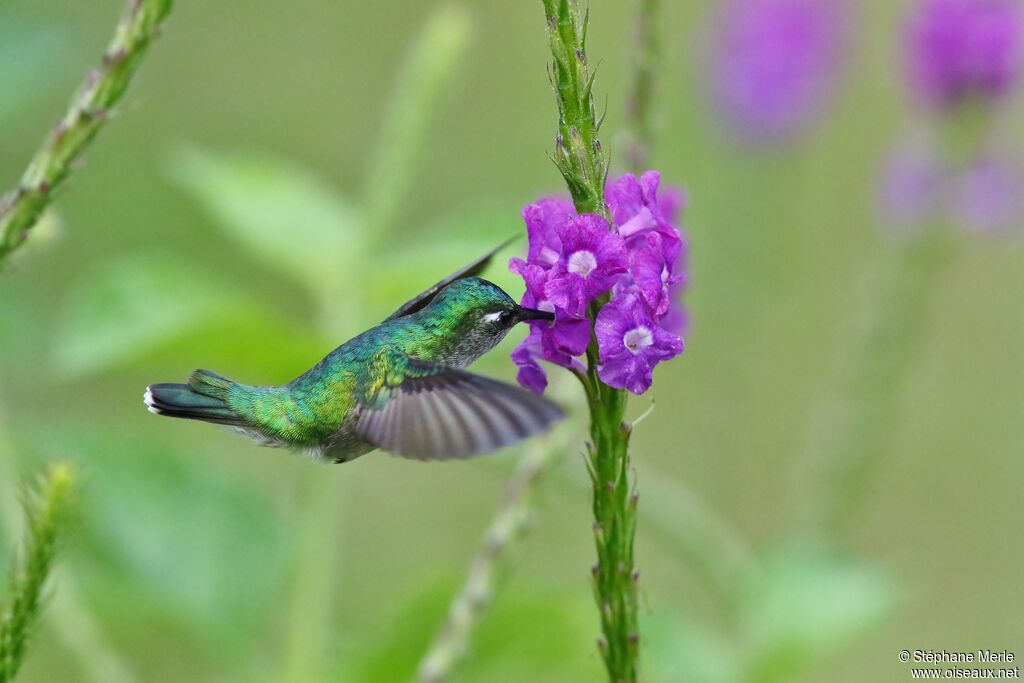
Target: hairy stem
(77, 629)
(639, 127)
(578, 153)
(21, 208)
(508, 524)
(581, 160)
(46, 511)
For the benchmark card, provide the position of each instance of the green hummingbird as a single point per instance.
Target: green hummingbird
(399, 386)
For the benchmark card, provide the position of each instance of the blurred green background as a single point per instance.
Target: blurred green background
(239, 214)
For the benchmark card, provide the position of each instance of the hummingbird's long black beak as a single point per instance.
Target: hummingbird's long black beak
(526, 314)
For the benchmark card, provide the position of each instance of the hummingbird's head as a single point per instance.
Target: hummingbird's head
(480, 314)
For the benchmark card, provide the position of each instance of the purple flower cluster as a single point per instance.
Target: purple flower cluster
(960, 48)
(774, 63)
(960, 51)
(573, 260)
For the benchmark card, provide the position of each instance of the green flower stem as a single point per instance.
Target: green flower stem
(581, 161)
(851, 436)
(716, 553)
(614, 505)
(639, 127)
(510, 522)
(21, 208)
(47, 508)
(578, 153)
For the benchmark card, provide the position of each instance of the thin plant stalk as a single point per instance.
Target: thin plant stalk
(47, 507)
(715, 551)
(509, 523)
(90, 109)
(850, 437)
(579, 157)
(428, 72)
(426, 78)
(638, 136)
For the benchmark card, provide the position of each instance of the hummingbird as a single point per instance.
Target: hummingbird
(400, 386)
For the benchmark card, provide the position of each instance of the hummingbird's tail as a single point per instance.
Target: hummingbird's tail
(204, 398)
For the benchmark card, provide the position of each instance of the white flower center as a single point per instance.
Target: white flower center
(582, 262)
(637, 339)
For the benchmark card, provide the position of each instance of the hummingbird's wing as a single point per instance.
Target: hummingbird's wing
(438, 412)
(423, 298)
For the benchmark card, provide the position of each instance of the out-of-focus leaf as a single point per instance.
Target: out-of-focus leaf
(283, 214)
(678, 650)
(804, 603)
(137, 304)
(25, 53)
(536, 634)
(196, 543)
(530, 635)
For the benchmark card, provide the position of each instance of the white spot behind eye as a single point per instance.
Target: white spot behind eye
(492, 317)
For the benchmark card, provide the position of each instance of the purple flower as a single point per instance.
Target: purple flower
(568, 334)
(913, 182)
(591, 257)
(542, 343)
(645, 219)
(531, 374)
(637, 209)
(542, 218)
(989, 196)
(652, 272)
(956, 48)
(631, 343)
(574, 259)
(775, 62)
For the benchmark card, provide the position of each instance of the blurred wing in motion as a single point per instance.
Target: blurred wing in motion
(443, 413)
(423, 298)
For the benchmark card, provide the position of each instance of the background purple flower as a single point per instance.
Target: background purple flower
(990, 196)
(631, 343)
(958, 48)
(913, 184)
(774, 63)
